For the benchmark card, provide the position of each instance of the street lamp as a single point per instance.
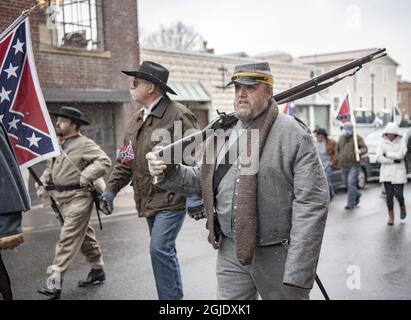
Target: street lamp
(372, 75)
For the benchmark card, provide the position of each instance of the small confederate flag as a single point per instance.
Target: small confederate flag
(343, 114)
(125, 154)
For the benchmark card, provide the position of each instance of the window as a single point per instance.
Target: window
(73, 24)
(360, 102)
(336, 103)
(385, 102)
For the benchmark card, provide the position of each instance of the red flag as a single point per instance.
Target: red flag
(290, 109)
(23, 110)
(343, 114)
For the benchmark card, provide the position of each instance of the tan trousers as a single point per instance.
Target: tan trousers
(77, 234)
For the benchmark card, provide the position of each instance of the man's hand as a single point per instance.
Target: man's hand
(156, 167)
(106, 202)
(11, 242)
(195, 208)
(40, 190)
(84, 182)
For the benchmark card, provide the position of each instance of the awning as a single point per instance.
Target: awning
(188, 91)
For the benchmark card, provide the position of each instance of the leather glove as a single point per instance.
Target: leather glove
(84, 182)
(106, 202)
(397, 161)
(195, 208)
(11, 242)
(156, 167)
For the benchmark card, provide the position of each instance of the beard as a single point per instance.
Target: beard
(247, 113)
(59, 133)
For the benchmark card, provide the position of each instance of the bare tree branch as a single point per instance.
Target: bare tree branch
(175, 37)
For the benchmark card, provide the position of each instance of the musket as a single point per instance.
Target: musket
(297, 92)
(96, 199)
(54, 205)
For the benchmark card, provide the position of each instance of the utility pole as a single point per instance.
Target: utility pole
(223, 71)
(372, 75)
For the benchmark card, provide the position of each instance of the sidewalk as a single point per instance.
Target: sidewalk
(42, 217)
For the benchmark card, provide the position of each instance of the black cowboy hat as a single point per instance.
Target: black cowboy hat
(72, 114)
(154, 73)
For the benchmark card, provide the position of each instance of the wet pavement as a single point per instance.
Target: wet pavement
(361, 258)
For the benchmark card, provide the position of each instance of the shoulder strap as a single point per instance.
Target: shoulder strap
(223, 168)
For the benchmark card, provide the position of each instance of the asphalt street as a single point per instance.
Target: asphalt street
(361, 257)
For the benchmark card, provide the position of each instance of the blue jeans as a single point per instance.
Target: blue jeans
(164, 228)
(329, 173)
(349, 176)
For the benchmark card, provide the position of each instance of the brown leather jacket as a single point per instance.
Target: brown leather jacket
(150, 199)
(330, 146)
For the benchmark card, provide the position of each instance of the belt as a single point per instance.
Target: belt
(63, 188)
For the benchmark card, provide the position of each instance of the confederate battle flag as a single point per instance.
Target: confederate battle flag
(23, 111)
(343, 114)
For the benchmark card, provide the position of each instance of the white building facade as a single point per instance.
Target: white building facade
(372, 91)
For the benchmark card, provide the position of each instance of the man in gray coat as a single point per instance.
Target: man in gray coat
(266, 212)
(13, 201)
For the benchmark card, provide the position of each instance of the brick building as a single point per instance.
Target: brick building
(404, 98)
(79, 50)
(79, 56)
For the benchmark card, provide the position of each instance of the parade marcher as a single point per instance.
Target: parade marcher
(81, 164)
(326, 151)
(268, 224)
(350, 167)
(13, 201)
(164, 210)
(391, 154)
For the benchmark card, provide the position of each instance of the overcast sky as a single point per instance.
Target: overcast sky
(295, 26)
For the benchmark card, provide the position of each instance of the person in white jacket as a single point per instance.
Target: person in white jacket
(391, 154)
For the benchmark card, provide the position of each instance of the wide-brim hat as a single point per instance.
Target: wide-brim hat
(154, 73)
(252, 73)
(72, 114)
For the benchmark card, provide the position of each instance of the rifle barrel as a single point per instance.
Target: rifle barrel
(331, 74)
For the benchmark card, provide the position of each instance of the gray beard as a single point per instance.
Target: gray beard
(251, 116)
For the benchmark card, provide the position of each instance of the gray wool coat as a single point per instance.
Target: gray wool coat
(292, 195)
(13, 195)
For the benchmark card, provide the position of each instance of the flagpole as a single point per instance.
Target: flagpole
(354, 130)
(23, 15)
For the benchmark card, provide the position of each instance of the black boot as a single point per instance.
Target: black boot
(95, 276)
(52, 289)
(403, 212)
